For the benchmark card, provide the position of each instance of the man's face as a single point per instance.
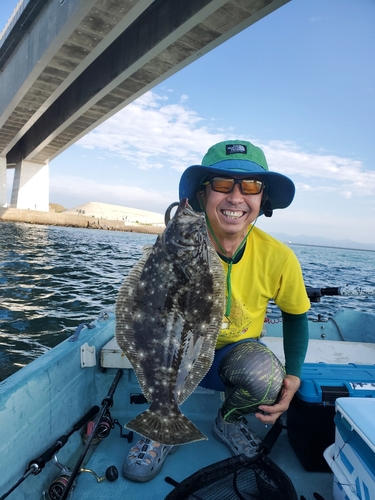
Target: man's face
(230, 213)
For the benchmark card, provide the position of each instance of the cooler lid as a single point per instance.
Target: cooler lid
(322, 382)
(359, 413)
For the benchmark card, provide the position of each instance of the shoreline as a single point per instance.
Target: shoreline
(78, 221)
(85, 222)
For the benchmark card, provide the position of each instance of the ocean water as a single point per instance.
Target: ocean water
(54, 278)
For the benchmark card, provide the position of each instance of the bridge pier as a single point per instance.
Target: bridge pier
(31, 186)
(3, 181)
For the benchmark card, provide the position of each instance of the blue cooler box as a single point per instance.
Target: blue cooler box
(352, 456)
(311, 427)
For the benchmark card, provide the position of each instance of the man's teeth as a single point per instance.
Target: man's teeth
(232, 214)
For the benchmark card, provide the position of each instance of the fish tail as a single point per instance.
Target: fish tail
(166, 430)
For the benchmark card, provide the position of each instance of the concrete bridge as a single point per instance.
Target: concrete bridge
(68, 65)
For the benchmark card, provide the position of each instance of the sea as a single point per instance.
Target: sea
(54, 278)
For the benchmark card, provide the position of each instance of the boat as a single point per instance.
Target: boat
(48, 407)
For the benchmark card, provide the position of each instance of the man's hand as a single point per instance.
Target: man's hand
(290, 387)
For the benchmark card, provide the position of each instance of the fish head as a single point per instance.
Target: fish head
(185, 238)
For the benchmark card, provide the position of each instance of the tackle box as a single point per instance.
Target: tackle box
(311, 427)
(352, 456)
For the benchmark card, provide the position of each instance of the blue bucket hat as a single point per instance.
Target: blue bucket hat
(236, 159)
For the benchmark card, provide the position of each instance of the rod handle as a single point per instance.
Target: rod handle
(39, 463)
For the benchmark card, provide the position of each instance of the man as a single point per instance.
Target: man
(233, 186)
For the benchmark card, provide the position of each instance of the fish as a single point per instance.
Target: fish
(169, 311)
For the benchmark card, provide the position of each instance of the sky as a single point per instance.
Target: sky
(300, 84)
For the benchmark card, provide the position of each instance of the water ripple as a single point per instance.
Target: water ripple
(52, 279)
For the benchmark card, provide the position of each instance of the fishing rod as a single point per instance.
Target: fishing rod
(315, 294)
(106, 404)
(37, 465)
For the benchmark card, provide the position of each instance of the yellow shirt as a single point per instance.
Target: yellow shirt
(267, 270)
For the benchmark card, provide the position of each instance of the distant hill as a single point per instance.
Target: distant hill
(56, 207)
(302, 239)
(117, 212)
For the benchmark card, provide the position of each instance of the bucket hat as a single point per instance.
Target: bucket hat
(236, 159)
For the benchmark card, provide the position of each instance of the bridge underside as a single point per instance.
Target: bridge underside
(84, 60)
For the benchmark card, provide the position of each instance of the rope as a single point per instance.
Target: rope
(230, 260)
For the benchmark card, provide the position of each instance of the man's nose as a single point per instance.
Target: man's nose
(235, 195)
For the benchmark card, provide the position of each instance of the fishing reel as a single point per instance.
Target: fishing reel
(58, 485)
(107, 423)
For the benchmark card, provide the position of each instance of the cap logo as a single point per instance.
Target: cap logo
(232, 149)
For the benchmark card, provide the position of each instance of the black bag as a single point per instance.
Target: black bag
(238, 478)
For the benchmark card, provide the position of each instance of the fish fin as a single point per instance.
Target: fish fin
(124, 321)
(169, 431)
(147, 249)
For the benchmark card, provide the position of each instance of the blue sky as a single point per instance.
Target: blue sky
(300, 83)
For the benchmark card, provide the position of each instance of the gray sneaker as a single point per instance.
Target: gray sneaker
(236, 436)
(145, 460)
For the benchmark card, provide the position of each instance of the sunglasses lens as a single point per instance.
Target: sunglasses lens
(225, 185)
(222, 185)
(251, 186)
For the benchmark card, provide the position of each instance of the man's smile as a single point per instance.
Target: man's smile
(233, 214)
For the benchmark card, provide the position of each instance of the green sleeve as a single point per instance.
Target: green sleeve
(296, 339)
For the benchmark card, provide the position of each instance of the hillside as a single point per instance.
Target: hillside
(130, 216)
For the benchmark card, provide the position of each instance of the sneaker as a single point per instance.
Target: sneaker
(237, 436)
(145, 460)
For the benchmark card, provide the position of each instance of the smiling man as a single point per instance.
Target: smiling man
(233, 187)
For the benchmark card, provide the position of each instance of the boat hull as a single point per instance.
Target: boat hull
(44, 400)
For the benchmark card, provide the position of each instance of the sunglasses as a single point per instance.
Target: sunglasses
(226, 185)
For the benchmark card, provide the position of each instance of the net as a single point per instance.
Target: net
(236, 478)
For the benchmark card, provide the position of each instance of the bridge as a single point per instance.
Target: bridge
(68, 65)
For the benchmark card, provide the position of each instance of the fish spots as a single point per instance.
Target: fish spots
(168, 316)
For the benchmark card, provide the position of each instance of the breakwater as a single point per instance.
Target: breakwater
(71, 220)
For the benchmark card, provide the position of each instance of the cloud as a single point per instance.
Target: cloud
(75, 190)
(346, 176)
(155, 133)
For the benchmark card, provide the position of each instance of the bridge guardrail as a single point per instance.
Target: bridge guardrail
(20, 7)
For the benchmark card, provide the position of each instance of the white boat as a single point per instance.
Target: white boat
(43, 402)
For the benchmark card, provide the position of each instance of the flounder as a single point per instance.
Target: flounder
(168, 315)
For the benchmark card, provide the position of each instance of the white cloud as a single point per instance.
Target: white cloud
(77, 190)
(153, 133)
(343, 174)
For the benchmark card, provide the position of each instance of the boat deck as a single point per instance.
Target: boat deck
(202, 408)
(61, 386)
